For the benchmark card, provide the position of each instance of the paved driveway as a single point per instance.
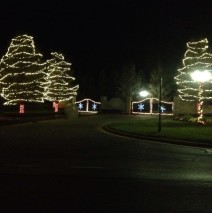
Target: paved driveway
(72, 164)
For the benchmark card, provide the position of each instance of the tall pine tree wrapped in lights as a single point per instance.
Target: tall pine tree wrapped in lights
(60, 87)
(22, 72)
(197, 59)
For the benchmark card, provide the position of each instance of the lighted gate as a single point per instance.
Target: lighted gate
(88, 105)
(150, 106)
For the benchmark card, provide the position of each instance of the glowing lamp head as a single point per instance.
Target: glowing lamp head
(143, 93)
(201, 76)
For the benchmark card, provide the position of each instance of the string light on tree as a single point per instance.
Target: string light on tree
(60, 87)
(22, 72)
(197, 63)
(196, 57)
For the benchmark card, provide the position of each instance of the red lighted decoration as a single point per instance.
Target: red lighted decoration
(21, 109)
(55, 106)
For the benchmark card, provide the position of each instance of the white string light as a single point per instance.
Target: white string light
(196, 58)
(22, 72)
(150, 106)
(87, 100)
(59, 87)
(194, 79)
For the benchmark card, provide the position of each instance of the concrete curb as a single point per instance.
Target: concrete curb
(158, 139)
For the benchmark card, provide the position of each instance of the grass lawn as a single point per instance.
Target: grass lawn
(170, 128)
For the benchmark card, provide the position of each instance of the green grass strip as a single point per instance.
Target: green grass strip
(170, 128)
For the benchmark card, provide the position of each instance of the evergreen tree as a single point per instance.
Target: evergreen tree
(129, 82)
(22, 72)
(196, 58)
(168, 87)
(107, 84)
(60, 80)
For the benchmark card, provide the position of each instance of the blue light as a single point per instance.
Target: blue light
(80, 106)
(141, 107)
(94, 106)
(162, 108)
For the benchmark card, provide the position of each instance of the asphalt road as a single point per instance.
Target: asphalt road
(72, 165)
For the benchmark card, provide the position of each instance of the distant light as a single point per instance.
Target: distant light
(201, 76)
(143, 93)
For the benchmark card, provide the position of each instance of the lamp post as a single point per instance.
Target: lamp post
(200, 77)
(159, 105)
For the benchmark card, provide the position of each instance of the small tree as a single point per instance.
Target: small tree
(60, 86)
(22, 72)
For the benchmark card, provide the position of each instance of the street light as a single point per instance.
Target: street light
(200, 77)
(143, 93)
(159, 105)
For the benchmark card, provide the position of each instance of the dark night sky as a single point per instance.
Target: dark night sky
(96, 35)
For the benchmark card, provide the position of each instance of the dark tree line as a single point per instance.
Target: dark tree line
(127, 82)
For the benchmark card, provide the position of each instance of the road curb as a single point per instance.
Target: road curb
(157, 139)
